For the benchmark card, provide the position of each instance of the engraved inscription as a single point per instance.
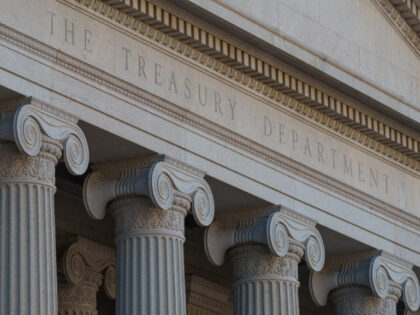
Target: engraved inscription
(321, 153)
(185, 83)
(173, 82)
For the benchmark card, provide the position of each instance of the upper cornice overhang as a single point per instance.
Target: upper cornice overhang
(405, 17)
(263, 76)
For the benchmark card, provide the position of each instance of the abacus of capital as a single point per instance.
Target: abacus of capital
(33, 136)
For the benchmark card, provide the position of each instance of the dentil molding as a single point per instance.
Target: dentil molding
(253, 70)
(276, 228)
(379, 271)
(61, 59)
(157, 177)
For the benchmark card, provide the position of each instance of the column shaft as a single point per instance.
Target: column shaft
(28, 281)
(150, 256)
(265, 284)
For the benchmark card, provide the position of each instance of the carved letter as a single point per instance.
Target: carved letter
(333, 157)
(52, 15)
(232, 106)
(126, 52)
(360, 167)
(281, 133)
(348, 169)
(373, 178)
(87, 41)
(68, 31)
(386, 182)
(199, 95)
(157, 74)
(187, 91)
(142, 64)
(320, 153)
(307, 148)
(295, 138)
(217, 101)
(172, 82)
(268, 130)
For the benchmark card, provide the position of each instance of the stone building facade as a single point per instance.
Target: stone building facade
(209, 157)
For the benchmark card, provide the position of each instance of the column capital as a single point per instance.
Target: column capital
(274, 227)
(155, 176)
(205, 297)
(377, 270)
(32, 124)
(83, 258)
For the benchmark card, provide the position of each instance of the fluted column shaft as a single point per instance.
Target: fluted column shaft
(150, 256)
(266, 284)
(28, 283)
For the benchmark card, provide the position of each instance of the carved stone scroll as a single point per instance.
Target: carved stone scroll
(274, 230)
(86, 265)
(154, 177)
(383, 277)
(32, 138)
(29, 124)
(265, 247)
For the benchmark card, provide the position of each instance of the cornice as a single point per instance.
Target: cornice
(404, 16)
(268, 77)
(354, 125)
(113, 83)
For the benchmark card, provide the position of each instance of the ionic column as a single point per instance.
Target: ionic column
(265, 248)
(84, 267)
(32, 138)
(205, 297)
(368, 283)
(149, 199)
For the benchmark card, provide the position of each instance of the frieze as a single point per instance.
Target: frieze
(376, 130)
(241, 142)
(209, 98)
(268, 76)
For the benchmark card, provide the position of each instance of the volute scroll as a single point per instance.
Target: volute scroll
(158, 180)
